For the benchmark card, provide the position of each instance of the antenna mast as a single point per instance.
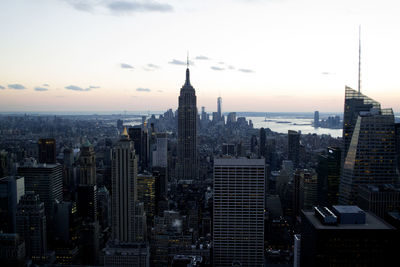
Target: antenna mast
(359, 59)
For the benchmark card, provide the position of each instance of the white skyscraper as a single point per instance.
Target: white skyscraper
(239, 212)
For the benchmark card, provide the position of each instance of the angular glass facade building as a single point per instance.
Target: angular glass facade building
(369, 145)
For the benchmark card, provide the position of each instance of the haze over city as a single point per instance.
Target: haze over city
(295, 56)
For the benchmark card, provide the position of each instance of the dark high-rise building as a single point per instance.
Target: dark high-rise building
(219, 106)
(140, 138)
(262, 146)
(294, 147)
(346, 236)
(379, 199)
(371, 154)
(316, 119)
(328, 171)
(187, 164)
(239, 212)
(253, 143)
(86, 201)
(12, 188)
(31, 225)
(46, 181)
(3, 163)
(47, 150)
(87, 163)
(124, 195)
(354, 103)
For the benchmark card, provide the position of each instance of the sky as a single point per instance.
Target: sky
(258, 55)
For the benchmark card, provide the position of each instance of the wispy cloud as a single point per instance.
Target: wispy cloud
(151, 67)
(138, 6)
(41, 89)
(246, 70)
(94, 87)
(221, 63)
(77, 88)
(216, 68)
(126, 66)
(231, 67)
(327, 73)
(46, 84)
(143, 89)
(180, 62)
(16, 86)
(201, 57)
(160, 91)
(118, 7)
(2, 87)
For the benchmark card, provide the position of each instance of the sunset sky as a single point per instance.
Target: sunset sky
(271, 55)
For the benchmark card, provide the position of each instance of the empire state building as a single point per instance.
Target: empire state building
(187, 165)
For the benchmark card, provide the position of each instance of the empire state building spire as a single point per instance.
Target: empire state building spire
(187, 166)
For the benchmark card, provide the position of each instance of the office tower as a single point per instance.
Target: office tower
(346, 236)
(124, 173)
(219, 106)
(316, 119)
(294, 147)
(3, 163)
(47, 150)
(239, 211)
(31, 225)
(140, 138)
(354, 103)
(397, 127)
(46, 181)
(379, 199)
(228, 149)
(308, 189)
(104, 207)
(262, 146)
(231, 119)
(203, 114)
(146, 193)
(328, 171)
(12, 188)
(87, 163)
(371, 155)
(120, 124)
(86, 202)
(187, 164)
(160, 154)
(253, 143)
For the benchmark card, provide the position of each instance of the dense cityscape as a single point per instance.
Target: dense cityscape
(185, 188)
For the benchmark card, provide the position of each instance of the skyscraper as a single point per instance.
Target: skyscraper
(124, 173)
(31, 225)
(239, 212)
(294, 147)
(370, 157)
(87, 162)
(262, 147)
(46, 181)
(316, 119)
(47, 150)
(219, 106)
(12, 188)
(187, 131)
(328, 171)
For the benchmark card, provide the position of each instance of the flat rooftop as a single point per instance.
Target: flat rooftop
(238, 162)
(371, 223)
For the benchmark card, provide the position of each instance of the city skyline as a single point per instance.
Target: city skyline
(72, 55)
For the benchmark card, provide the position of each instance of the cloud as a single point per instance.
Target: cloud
(246, 70)
(77, 88)
(16, 86)
(160, 91)
(138, 6)
(94, 87)
(41, 89)
(2, 87)
(126, 66)
(117, 7)
(221, 63)
(180, 62)
(151, 67)
(143, 89)
(231, 67)
(216, 68)
(202, 57)
(46, 84)
(327, 73)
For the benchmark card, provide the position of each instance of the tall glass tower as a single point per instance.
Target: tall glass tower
(369, 146)
(187, 165)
